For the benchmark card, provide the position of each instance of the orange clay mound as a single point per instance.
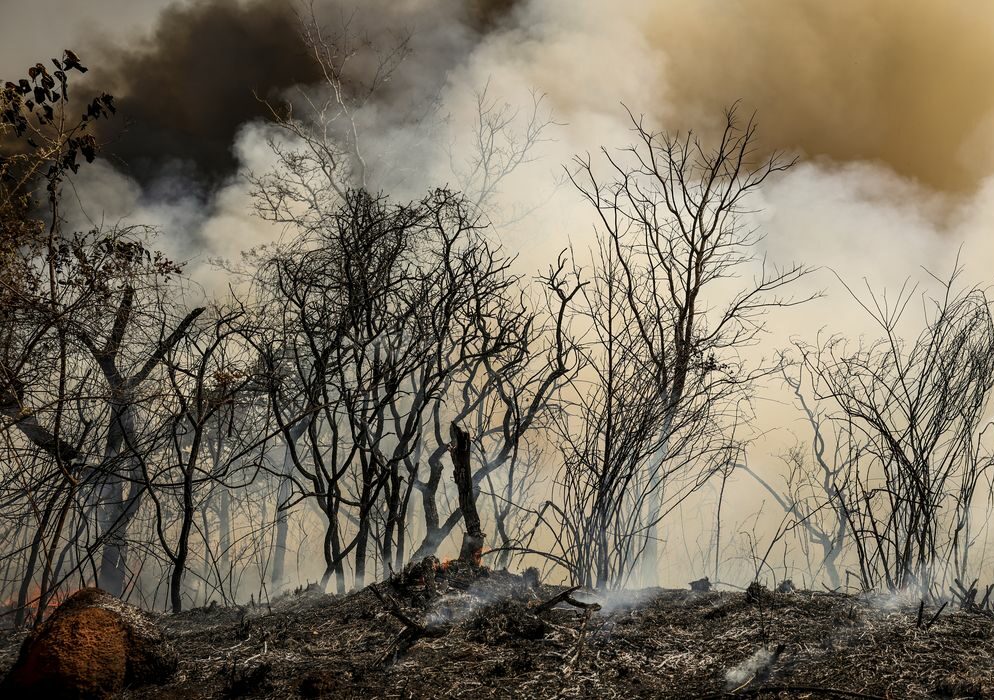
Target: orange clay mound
(92, 646)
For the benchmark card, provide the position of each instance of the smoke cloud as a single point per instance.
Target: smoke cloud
(882, 102)
(207, 68)
(185, 90)
(895, 81)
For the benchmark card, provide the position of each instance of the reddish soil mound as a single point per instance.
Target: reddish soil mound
(92, 646)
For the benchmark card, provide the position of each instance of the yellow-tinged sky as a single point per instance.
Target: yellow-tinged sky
(906, 82)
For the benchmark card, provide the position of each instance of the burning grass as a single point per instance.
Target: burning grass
(483, 634)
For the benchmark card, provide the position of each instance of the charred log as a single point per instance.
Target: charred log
(566, 596)
(701, 585)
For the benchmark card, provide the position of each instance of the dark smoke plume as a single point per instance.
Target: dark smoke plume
(185, 90)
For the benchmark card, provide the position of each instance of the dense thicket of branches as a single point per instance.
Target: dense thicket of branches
(380, 327)
(656, 417)
(167, 452)
(913, 417)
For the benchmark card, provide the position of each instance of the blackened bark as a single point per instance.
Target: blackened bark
(459, 449)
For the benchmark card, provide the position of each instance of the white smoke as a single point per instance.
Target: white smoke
(742, 674)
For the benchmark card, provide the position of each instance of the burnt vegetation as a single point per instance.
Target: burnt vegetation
(385, 387)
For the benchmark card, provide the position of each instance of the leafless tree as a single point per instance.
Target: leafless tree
(913, 421)
(481, 348)
(810, 478)
(211, 377)
(322, 152)
(503, 396)
(663, 335)
(503, 139)
(88, 323)
(380, 312)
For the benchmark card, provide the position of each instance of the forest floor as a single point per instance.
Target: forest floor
(478, 634)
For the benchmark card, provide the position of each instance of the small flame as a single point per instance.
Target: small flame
(34, 595)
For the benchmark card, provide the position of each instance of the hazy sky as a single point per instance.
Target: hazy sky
(34, 29)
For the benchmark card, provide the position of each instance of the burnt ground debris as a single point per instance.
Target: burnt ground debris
(459, 631)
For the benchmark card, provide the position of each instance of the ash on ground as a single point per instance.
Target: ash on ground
(461, 631)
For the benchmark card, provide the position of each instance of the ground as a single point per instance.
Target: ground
(486, 635)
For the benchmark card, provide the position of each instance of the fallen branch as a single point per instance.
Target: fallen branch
(936, 616)
(412, 632)
(556, 600)
(987, 596)
(590, 607)
(394, 609)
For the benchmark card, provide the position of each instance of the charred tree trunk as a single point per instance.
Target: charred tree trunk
(282, 513)
(224, 524)
(392, 524)
(39, 537)
(472, 541)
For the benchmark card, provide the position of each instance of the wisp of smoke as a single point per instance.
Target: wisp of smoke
(754, 666)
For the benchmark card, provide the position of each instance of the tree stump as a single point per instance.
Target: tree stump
(472, 541)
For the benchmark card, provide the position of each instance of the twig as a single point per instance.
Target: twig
(269, 604)
(936, 616)
(579, 642)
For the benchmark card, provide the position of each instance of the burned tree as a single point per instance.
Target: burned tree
(912, 421)
(504, 396)
(650, 419)
(472, 542)
(204, 451)
(117, 325)
(87, 323)
(378, 310)
(810, 478)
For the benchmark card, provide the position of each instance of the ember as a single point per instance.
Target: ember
(29, 611)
